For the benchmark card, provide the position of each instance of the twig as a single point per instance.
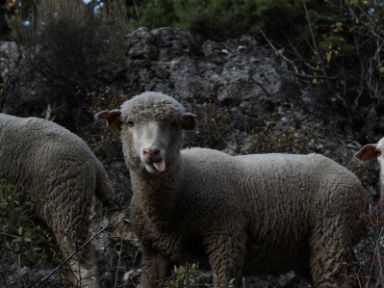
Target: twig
(131, 268)
(9, 235)
(315, 47)
(379, 278)
(297, 73)
(74, 253)
(18, 269)
(314, 43)
(118, 264)
(300, 57)
(305, 76)
(277, 52)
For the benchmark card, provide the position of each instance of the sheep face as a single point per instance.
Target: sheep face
(151, 145)
(151, 127)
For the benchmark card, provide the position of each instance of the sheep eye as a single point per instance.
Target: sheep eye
(378, 152)
(174, 124)
(130, 124)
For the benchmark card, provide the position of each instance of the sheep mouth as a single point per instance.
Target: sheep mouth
(159, 166)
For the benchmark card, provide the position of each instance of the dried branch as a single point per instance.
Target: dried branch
(61, 264)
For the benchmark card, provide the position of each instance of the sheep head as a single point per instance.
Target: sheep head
(372, 151)
(151, 127)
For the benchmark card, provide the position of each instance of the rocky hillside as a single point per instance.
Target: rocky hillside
(248, 100)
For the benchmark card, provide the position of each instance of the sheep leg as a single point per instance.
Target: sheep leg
(155, 268)
(330, 247)
(226, 252)
(68, 212)
(82, 265)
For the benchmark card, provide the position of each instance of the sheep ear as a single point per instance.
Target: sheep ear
(112, 117)
(367, 152)
(188, 122)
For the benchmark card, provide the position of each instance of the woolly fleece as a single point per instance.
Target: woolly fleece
(240, 215)
(59, 174)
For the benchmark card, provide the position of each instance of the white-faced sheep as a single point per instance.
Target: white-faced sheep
(374, 151)
(238, 215)
(61, 176)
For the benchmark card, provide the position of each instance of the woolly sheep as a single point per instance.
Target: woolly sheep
(60, 175)
(374, 151)
(238, 215)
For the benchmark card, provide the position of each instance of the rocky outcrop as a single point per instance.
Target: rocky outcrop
(245, 83)
(247, 98)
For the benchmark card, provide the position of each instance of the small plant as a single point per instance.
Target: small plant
(184, 276)
(18, 232)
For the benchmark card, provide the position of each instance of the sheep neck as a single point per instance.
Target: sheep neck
(156, 195)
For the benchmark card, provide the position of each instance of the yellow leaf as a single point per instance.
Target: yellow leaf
(337, 27)
(328, 56)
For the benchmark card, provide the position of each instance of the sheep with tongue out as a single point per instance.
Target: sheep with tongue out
(238, 215)
(150, 126)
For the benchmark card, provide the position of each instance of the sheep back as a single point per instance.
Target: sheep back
(54, 168)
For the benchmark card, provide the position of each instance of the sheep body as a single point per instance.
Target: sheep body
(238, 215)
(59, 174)
(268, 216)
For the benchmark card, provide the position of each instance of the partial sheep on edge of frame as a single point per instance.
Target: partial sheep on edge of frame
(371, 152)
(237, 215)
(61, 176)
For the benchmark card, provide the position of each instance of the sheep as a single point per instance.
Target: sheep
(237, 215)
(374, 151)
(58, 173)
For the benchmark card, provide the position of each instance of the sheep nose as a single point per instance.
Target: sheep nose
(151, 153)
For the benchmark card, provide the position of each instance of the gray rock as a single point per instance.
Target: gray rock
(140, 45)
(9, 54)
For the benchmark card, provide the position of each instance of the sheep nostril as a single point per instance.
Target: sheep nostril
(151, 154)
(155, 151)
(147, 152)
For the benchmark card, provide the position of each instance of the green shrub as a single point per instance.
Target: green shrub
(63, 45)
(184, 276)
(215, 19)
(18, 232)
(339, 44)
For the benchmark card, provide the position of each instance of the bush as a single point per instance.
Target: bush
(18, 232)
(188, 276)
(336, 44)
(215, 19)
(62, 42)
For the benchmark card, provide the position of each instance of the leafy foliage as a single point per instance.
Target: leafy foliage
(184, 276)
(18, 232)
(219, 18)
(62, 46)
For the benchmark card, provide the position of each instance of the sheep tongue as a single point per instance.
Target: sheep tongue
(159, 166)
